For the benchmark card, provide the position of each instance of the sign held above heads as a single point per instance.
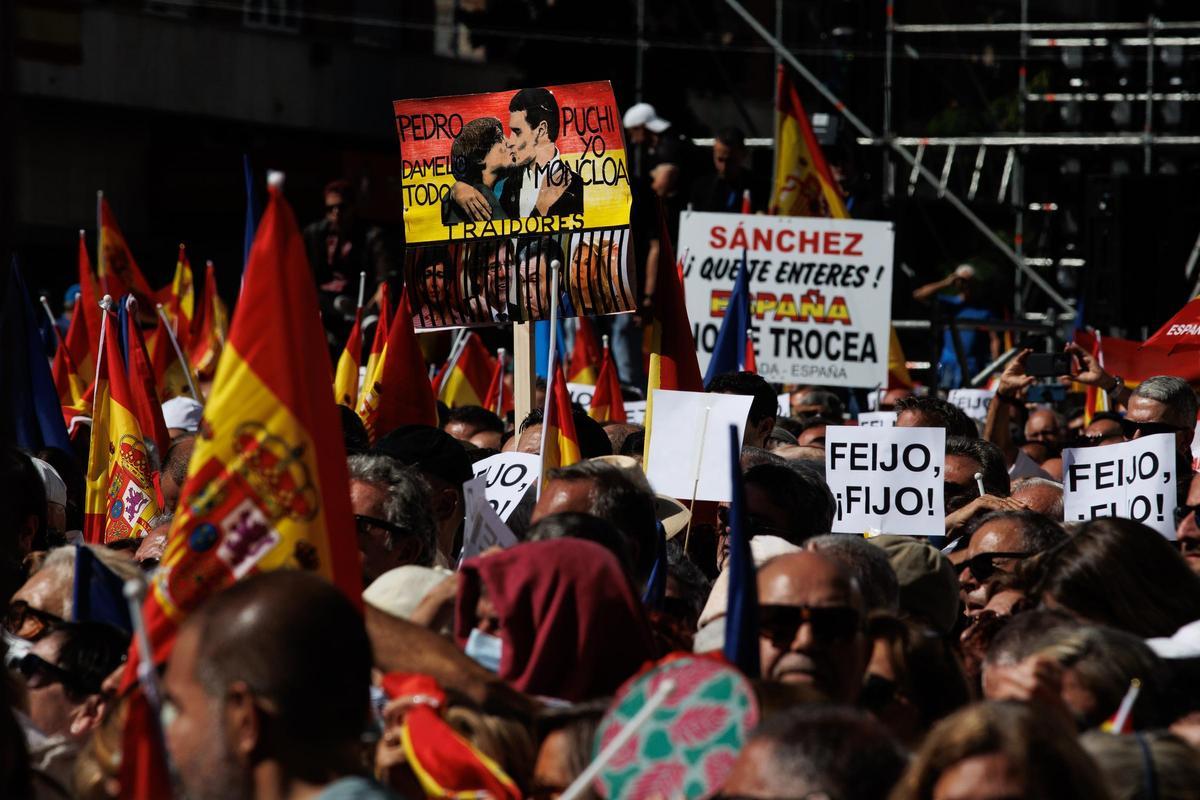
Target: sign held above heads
(1134, 480)
(683, 461)
(973, 402)
(887, 480)
(820, 292)
(877, 419)
(507, 477)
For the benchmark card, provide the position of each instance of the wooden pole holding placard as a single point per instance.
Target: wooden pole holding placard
(524, 374)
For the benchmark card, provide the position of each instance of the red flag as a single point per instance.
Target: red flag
(499, 399)
(746, 208)
(750, 362)
(119, 273)
(143, 774)
(146, 405)
(804, 184)
(464, 379)
(668, 337)
(345, 379)
(89, 299)
(171, 374)
(68, 380)
(380, 337)
(585, 355)
(560, 443)
(210, 328)
(607, 403)
(267, 486)
(399, 393)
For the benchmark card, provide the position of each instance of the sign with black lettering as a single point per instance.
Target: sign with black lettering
(887, 480)
(877, 419)
(581, 393)
(1134, 480)
(507, 477)
(974, 402)
(820, 292)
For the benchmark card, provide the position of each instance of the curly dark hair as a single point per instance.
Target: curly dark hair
(471, 146)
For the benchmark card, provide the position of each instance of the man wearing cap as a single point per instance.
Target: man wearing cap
(56, 500)
(182, 416)
(658, 141)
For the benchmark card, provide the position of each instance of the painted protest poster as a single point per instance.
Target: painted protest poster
(497, 186)
(887, 480)
(973, 402)
(821, 292)
(1134, 480)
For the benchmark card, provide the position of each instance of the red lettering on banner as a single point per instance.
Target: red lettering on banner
(716, 236)
(810, 241)
(851, 248)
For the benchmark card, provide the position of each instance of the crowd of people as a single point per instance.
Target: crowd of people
(991, 662)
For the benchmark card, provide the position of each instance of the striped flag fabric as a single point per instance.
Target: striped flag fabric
(499, 399)
(607, 403)
(118, 273)
(345, 378)
(804, 185)
(146, 404)
(560, 442)
(210, 327)
(583, 366)
(465, 378)
(380, 337)
(399, 392)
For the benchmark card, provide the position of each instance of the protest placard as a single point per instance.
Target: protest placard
(482, 528)
(635, 412)
(887, 480)
(581, 393)
(877, 419)
(682, 424)
(820, 292)
(785, 404)
(497, 186)
(974, 402)
(507, 477)
(1134, 480)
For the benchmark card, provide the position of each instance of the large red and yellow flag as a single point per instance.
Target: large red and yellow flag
(171, 373)
(804, 185)
(465, 378)
(121, 500)
(583, 366)
(178, 298)
(560, 443)
(210, 328)
(345, 379)
(89, 299)
(267, 486)
(607, 403)
(499, 399)
(119, 273)
(400, 392)
(380, 337)
(145, 402)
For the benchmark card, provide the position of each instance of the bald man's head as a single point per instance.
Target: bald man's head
(276, 668)
(811, 624)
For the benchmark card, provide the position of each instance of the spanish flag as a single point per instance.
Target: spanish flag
(804, 186)
(119, 273)
(380, 337)
(560, 443)
(499, 399)
(1095, 399)
(399, 393)
(750, 360)
(668, 337)
(464, 379)
(210, 328)
(178, 298)
(68, 377)
(89, 299)
(121, 499)
(143, 394)
(171, 374)
(267, 487)
(345, 380)
(607, 403)
(585, 354)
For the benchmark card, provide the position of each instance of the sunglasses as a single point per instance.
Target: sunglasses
(27, 622)
(983, 566)
(40, 673)
(364, 524)
(1187, 545)
(829, 624)
(1182, 512)
(1131, 428)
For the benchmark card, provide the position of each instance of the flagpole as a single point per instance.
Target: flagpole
(147, 672)
(58, 337)
(187, 369)
(696, 481)
(362, 287)
(456, 351)
(500, 353)
(106, 304)
(551, 367)
(100, 271)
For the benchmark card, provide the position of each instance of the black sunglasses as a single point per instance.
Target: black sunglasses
(364, 524)
(1182, 511)
(39, 673)
(829, 623)
(36, 623)
(1131, 428)
(983, 565)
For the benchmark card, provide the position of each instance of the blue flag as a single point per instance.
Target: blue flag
(30, 411)
(98, 594)
(656, 586)
(741, 612)
(252, 210)
(729, 353)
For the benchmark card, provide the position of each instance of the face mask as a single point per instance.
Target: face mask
(18, 648)
(485, 649)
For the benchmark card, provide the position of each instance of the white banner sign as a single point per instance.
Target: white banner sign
(821, 292)
(887, 480)
(635, 412)
(507, 476)
(689, 443)
(877, 419)
(581, 393)
(482, 529)
(974, 402)
(1134, 480)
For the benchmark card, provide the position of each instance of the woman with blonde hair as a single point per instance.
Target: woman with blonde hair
(1154, 765)
(1001, 751)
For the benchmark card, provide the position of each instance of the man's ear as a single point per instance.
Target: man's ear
(243, 723)
(87, 715)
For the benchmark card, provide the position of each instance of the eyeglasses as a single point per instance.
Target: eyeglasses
(28, 622)
(1132, 428)
(829, 624)
(983, 565)
(364, 524)
(1187, 545)
(40, 673)
(1182, 512)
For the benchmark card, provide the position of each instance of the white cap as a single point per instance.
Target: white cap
(183, 413)
(1184, 643)
(399, 591)
(643, 114)
(56, 490)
